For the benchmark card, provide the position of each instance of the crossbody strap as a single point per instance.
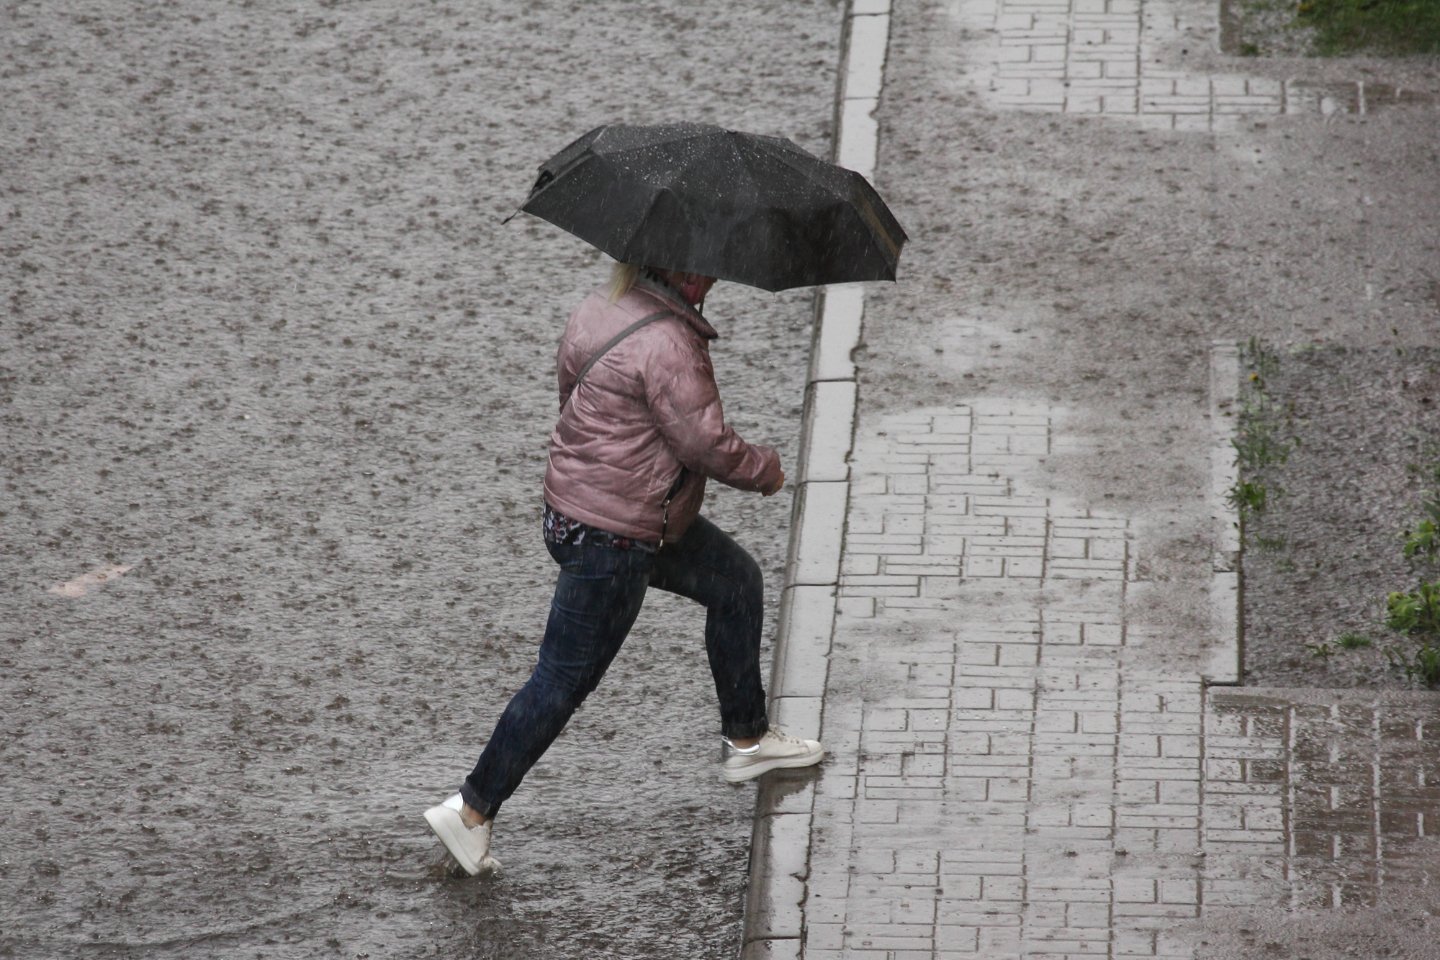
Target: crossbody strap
(643, 321)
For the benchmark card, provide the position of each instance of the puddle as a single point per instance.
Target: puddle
(1350, 784)
(1359, 97)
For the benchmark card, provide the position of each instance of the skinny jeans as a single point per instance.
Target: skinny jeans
(597, 597)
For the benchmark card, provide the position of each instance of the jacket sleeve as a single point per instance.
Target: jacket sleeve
(681, 393)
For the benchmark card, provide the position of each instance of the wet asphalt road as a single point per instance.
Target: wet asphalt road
(265, 342)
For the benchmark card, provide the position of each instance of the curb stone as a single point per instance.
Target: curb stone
(774, 923)
(1223, 666)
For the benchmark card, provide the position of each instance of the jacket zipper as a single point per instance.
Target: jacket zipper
(665, 507)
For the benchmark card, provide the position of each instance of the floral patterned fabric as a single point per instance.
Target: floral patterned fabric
(562, 529)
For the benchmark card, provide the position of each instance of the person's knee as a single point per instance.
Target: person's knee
(745, 596)
(751, 582)
(563, 690)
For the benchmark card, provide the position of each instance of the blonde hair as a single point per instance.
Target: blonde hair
(622, 278)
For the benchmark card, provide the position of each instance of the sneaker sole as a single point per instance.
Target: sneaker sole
(750, 772)
(443, 821)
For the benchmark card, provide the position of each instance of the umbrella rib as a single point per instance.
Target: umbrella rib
(639, 230)
(867, 210)
(868, 214)
(793, 162)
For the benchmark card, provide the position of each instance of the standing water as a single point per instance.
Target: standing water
(275, 388)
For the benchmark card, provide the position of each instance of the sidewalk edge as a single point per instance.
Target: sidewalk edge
(1222, 664)
(774, 921)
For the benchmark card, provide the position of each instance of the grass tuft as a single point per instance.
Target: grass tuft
(1386, 27)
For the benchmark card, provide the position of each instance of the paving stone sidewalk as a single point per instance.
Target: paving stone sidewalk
(1021, 766)
(1101, 57)
(1012, 774)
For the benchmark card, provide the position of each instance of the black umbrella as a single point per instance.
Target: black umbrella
(738, 206)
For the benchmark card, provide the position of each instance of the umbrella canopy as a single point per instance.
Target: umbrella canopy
(738, 206)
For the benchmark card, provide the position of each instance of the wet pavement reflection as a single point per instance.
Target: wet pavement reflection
(275, 385)
(1322, 798)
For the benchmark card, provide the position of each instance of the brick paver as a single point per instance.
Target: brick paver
(1013, 775)
(1007, 755)
(1318, 798)
(1021, 766)
(1098, 57)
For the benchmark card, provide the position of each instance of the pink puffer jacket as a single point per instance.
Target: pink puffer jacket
(648, 408)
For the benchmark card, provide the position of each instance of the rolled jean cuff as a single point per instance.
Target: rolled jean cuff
(744, 731)
(485, 808)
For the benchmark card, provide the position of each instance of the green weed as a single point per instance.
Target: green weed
(1423, 542)
(1418, 613)
(1422, 666)
(1247, 495)
(1392, 27)
(1263, 362)
(1262, 437)
(1429, 471)
(1324, 650)
(1415, 613)
(1352, 641)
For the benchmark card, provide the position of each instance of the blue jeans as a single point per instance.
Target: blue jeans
(597, 598)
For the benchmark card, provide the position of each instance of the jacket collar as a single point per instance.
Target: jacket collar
(671, 298)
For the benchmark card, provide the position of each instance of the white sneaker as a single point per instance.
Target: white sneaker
(774, 751)
(470, 846)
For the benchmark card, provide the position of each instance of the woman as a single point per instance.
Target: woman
(640, 431)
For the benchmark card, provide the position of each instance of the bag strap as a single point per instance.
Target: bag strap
(643, 321)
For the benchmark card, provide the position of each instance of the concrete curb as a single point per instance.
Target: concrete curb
(1222, 659)
(774, 924)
